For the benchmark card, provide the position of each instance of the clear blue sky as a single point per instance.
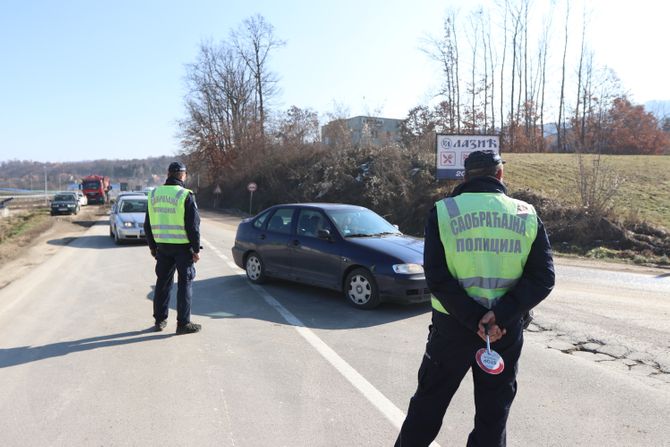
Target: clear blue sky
(89, 79)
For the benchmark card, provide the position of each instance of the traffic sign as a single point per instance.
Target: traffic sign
(251, 187)
(452, 150)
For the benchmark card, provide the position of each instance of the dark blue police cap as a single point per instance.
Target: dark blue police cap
(176, 166)
(482, 159)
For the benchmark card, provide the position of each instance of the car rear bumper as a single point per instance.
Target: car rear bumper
(238, 256)
(408, 288)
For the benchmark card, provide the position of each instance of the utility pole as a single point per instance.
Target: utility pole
(45, 184)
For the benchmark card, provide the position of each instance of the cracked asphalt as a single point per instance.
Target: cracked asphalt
(618, 319)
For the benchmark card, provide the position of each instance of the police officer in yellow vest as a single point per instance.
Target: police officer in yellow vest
(487, 261)
(172, 226)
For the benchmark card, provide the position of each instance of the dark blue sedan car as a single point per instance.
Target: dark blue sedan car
(341, 247)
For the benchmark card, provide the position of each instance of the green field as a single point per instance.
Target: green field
(645, 194)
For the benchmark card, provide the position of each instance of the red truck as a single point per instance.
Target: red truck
(96, 188)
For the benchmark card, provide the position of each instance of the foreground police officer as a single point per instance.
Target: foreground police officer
(172, 226)
(487, 261)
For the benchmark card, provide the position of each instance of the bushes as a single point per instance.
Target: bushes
(389, 180)
(574, 229)
(400, 185)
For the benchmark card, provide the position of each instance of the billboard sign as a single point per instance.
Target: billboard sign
(452, 150)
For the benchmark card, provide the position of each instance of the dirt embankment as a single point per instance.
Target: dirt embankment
(19, 253)
(572, 229)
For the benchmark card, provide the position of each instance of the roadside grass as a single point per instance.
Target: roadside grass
(644, 196)
(24, 226)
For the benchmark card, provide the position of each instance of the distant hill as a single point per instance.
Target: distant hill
(30, 174)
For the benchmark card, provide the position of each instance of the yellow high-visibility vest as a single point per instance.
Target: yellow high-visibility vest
(166, 214)
(487, 238)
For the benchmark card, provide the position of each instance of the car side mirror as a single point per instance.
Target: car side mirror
(396, 227)
(323, 234)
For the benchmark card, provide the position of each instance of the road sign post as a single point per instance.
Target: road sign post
(251, 187)
(217, 195)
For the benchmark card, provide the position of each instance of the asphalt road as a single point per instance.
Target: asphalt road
(290, 365)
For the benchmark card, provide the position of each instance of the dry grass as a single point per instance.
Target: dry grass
(20, 229)
(645, 194)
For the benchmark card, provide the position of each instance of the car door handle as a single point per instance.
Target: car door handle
(262, 236)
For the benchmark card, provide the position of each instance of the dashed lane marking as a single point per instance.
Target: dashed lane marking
(372, 394)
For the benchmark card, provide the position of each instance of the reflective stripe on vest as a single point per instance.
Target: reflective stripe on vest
(166, 214)
(487, 238)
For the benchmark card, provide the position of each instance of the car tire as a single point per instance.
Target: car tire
(255, 268)
(111, 233)
(117, 239)
(360, 289)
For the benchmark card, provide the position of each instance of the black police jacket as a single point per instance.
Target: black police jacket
(191, 221)
(535, 283)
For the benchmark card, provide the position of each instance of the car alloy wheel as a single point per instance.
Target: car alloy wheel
(361, 289)
(254, 269)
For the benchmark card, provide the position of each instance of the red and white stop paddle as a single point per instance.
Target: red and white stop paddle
(489, 361)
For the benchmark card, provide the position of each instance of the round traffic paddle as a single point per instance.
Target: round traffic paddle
(489, 361)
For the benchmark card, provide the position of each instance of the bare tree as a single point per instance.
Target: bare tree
(543, 69)
(560, 126)
(254, 42)
(516, 20)
(502, 66)
(297, 127)
(219, 107)
(489, 64)
(445, 52)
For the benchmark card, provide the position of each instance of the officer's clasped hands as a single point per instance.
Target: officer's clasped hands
(494, 331)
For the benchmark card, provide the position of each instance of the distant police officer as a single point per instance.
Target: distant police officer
(487, 261)
(172, 226)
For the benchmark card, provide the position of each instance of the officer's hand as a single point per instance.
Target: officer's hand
(495, 332)
(196, 257)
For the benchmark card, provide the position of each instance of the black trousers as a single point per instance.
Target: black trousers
(450, 353)
(171, 257)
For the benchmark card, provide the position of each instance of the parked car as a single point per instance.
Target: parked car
(126, 220)
(83, 200)
(337, 246)
(65, 203)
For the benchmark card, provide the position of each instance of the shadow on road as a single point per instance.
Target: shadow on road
(89, 223)
(26, 354)
(96, 241)
(233, 297)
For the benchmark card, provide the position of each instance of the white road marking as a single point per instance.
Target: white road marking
(372, 394)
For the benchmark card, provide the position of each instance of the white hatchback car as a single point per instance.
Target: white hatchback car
(83, 200)
(126, 220)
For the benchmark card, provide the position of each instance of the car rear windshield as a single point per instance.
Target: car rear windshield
(134, 206)
(358, 222)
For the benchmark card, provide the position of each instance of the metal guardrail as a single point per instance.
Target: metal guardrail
(24, 196)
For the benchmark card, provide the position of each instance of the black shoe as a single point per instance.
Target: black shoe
(188, 328)
(160, 325)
